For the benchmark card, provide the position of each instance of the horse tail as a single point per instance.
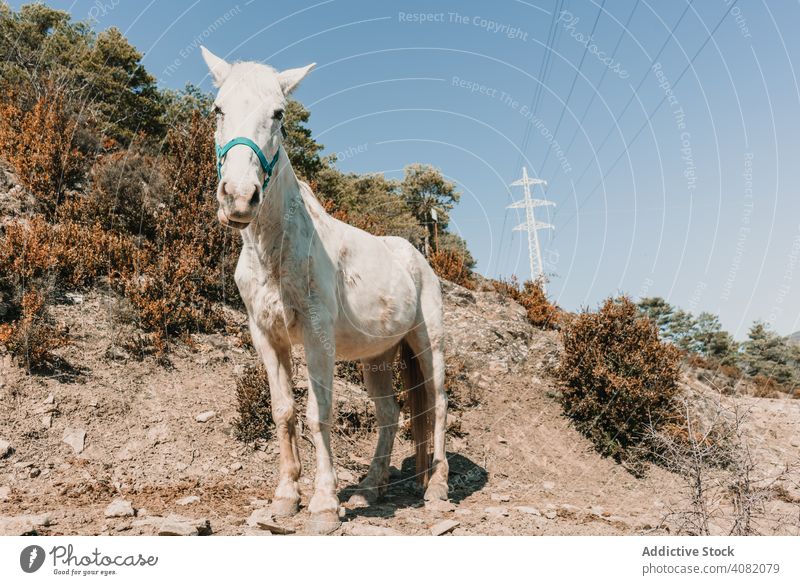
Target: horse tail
(421, 419)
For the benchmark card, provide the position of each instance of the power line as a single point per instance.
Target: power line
(618, 117)
(653, 113)
(602, 78)
(572, 87)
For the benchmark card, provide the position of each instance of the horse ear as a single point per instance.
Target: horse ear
(291, 78)
(219, 68)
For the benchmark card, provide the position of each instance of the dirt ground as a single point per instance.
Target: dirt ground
(517, 466)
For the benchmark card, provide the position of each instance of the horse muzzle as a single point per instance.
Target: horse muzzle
(237, 209)
(232, 223)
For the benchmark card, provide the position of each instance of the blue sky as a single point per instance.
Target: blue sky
(698, 203)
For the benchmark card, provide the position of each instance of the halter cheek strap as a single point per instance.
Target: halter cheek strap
(267, 165)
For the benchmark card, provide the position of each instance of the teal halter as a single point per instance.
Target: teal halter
(268, 166)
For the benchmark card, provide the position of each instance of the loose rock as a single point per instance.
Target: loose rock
(5, 491)
(501, 498)
(22, 525)
(188, 500)
(440, 506)
(174, 525)
(119, 508)
(263, 519)
(358, 529)
(528, 510)
(75, 438)
(443, 527)
(496, 511)
(5, 448)
(205, 416)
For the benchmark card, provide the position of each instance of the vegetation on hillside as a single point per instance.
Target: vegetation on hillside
(769, 362)
(620, 379)
(116, 172)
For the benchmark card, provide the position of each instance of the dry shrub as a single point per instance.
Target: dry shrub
(186, 269)
(461, 392)
(35, 256)
(127, 188)
(39, 144)
(74, 254)
(450, 265)
(34, 335)
(253, 406)
(766, 387)
(694, 360)
(350, 371)
(732, 372)
(619, 378)
(354, 417)
(531, 295)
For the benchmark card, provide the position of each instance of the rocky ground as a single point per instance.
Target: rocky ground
(109, 444)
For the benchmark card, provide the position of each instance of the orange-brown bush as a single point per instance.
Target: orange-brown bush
(71, 253)
(34, 335)
(35, 257)
(187, 267)
(127, 188)
(697, 361)
(39, 144)
(450, 265)
(619, 379)
(766, 387)
(540, 311)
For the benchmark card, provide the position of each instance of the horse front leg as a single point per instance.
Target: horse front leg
(320, 356)
(276, 354)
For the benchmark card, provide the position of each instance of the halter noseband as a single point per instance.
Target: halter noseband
(267, 165)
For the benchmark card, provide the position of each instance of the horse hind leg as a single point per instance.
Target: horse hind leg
(378, 378)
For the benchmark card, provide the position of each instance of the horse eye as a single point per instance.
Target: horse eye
(278, 114)
(217, 111)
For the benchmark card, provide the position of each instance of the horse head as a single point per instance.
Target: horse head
(249, 108)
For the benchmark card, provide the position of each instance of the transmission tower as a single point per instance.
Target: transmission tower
(531, 225)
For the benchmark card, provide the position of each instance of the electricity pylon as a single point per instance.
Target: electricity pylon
(531, 225)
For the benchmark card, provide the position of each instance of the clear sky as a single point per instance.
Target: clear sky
(697, 202)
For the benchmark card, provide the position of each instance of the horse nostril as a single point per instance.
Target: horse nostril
(225, 189)
(254, 197)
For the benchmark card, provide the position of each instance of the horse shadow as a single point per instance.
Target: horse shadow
(466, 477)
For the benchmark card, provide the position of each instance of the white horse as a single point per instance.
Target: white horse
(308, 278)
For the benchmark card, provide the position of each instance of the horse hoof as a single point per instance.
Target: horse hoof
(362, 500)
(323, 523)
(436, 491)
(283, 507)
(364, 497)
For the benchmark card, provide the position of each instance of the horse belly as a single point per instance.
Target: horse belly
(369, 324)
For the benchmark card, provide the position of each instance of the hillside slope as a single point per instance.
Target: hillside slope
(517, 464)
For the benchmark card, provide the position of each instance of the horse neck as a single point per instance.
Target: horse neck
(280, 212)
